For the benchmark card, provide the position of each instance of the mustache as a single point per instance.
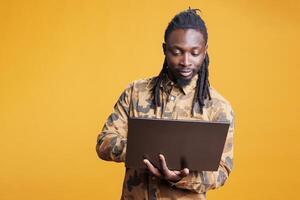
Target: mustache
(186, 70)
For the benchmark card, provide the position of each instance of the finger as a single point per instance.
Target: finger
(184, 172)
(163, 164)
(166, 172)
(151, 168)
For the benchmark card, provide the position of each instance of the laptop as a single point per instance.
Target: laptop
(197, 145)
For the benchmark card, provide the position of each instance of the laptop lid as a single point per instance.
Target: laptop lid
(197, 145)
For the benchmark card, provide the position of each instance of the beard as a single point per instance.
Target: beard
(179, 80)
(182, 82)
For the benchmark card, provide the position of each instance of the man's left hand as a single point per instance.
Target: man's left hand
(165, 173)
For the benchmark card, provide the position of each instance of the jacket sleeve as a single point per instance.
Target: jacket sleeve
(201, 182)
(112, 140)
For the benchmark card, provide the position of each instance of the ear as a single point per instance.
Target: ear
(206, 47)
(164, 48)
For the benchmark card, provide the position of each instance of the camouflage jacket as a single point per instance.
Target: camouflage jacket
(136, 101)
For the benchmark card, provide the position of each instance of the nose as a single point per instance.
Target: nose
(185, 61)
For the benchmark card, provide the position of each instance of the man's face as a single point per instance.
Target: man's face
(185, 50)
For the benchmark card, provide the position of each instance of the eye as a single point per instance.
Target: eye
(195, 53)
(176, 52)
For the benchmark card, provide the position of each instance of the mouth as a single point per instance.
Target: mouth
(185, 73)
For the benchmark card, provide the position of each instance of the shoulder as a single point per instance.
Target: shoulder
(219, 106)
(141, 85)
(217, 98)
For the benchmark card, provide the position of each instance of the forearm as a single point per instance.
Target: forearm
(112, 141)
(111, 147)
(200, 182)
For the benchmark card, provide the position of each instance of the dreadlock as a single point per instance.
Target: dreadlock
(188, 19)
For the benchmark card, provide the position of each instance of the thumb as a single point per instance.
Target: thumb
(184, 172)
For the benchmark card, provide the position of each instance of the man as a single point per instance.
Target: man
(180, 91)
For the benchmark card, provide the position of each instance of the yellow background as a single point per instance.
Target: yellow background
(63, 64)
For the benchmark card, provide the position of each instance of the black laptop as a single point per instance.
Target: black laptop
(197, 145)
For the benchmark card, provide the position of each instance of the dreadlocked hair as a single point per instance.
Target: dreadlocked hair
(188, 19)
